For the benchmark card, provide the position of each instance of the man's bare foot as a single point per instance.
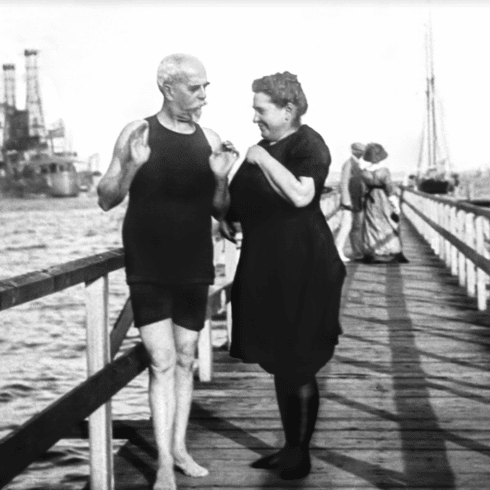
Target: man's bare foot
(165, 478)
(185, 463)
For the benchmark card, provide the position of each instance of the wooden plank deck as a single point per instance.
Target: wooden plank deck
(405, 403)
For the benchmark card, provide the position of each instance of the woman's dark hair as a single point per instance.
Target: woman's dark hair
(283, 88)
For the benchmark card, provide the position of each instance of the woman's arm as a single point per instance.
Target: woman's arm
(130, 152)
(298, 191)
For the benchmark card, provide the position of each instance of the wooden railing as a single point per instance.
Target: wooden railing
(106, 375)
(459, 233)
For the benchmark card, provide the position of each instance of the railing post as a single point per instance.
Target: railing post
(481, 277)
(470, 267)
(461, 257)
(447, 227)
(442, 223)
(453, 227)
(231, 261)
(423, 224)
(98, 355)
(430, 231)
(435, 235)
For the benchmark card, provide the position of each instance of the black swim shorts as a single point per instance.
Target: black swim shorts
(184, 304)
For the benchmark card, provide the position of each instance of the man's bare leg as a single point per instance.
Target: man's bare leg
(158, 339)
(186, 344)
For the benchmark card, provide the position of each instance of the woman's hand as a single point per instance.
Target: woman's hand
(395, 204)
(223, 159)
(256, 155)
(228, 230)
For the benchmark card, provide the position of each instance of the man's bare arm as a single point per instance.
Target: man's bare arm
(222, 158)
(130, 152)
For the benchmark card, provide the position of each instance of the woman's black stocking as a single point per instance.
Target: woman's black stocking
(298, 402)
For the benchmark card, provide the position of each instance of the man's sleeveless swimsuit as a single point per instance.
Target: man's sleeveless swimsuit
(167, 228)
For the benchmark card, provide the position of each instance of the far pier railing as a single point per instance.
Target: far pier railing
(107, 375)
(459, 233)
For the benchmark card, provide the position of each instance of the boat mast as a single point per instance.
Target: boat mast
(430, 93)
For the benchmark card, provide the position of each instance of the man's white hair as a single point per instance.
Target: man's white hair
(174, 68)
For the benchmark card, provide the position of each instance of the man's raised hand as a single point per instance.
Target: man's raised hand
(139, 150)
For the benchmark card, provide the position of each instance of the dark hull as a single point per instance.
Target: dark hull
(432, 186)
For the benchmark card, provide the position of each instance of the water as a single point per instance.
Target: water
(42, 343)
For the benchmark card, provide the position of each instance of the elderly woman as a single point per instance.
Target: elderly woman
(287, 289)
(381, 225)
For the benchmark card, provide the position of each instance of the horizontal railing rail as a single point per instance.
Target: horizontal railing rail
(458, 204)
(35, 285)
(459, 233)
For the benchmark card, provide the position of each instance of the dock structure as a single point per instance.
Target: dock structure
(405, 402)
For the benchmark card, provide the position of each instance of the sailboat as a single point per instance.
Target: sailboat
(434, 165)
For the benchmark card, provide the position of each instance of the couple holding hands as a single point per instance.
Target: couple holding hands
(287, 288)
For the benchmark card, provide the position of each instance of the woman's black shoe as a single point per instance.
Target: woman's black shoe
(296, 466)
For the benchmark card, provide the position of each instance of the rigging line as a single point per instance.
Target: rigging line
(421, 147)
(443, 130)
(429, 92)
(434, 127)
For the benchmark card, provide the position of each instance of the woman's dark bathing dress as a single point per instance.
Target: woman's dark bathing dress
(287, 289)
(167, 226)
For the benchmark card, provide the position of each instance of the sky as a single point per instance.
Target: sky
(361, 64)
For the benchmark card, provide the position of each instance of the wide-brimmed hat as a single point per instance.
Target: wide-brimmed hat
(375, 153)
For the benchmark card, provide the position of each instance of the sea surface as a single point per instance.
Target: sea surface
(42, 343)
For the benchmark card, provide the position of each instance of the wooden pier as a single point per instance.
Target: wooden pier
(405, 403)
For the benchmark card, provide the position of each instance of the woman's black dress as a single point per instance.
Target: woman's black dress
(287, 288)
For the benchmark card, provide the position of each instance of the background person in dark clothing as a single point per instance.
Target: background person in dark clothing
(176, 175)
(351, 202)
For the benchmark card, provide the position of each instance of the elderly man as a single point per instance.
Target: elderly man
(351, 193)
(176, 175)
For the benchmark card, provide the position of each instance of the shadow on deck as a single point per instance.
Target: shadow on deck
(405, 403)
